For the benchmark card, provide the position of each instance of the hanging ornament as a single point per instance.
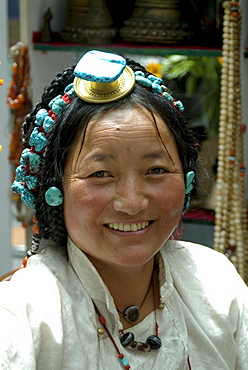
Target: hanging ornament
(18, 100)
(231, 234)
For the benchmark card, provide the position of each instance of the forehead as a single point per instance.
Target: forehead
(128, 124)
(132, 128)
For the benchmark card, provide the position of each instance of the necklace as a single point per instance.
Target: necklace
(132, 313)
(122, 358)
(153, 342)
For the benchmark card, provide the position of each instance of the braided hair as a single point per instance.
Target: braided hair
(68, 129)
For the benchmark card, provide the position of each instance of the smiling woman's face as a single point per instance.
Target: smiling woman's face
(123, 190)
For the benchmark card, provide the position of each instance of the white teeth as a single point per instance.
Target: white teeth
(127, 227)
(134, 227)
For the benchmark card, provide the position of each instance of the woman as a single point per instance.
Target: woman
(108, 167)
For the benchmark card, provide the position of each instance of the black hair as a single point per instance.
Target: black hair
(70, 124)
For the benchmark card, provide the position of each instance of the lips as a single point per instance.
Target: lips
(128, 227)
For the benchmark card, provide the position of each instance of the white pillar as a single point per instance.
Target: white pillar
(5, 240)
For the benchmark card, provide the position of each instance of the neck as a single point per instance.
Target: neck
(129, 285)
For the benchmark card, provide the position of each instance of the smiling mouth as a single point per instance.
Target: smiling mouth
(120, 226)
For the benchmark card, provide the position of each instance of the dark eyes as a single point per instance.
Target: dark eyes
(152, 171)
(99, 174)
(157, 171)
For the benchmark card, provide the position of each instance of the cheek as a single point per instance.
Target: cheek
(172, 198)
(80, 204)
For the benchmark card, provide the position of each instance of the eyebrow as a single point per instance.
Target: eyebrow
(107, 157)
(101, 157)
(156, 155)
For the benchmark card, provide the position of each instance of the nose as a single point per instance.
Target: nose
(130, 197)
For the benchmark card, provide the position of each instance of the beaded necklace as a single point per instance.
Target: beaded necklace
(127, 339)
(230, 236)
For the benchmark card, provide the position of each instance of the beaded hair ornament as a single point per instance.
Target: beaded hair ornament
(99, 78)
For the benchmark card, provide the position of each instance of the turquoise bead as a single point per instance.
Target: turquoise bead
(34, 162)
(139, 73)
(69, 90)
(28, 198)
(189, 181)
(99, 66)
(58, 105)
(48, 123)
(156, 88)
(53, 100)
(25, 157)
(179, 105)
(20, 173)
(38, 140)
(40, 116)
(143, 81)
(17, 187)
(168, 97)
(31, 182)
(155, 79)
(124, 362)
(53, 196)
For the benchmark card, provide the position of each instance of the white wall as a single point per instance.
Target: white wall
(5, 250)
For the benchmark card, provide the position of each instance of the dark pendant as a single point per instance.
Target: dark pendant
(131, 313)
(127, 339)
(154, 342)
(143, 347)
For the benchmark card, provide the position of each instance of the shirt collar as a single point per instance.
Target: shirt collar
(95, 286)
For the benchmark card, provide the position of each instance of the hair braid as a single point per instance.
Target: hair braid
(50, 219)
(56, 87)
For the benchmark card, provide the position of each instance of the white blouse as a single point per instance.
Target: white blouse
(48, 320)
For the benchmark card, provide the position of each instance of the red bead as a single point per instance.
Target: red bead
(66, 98)
(34, 219)
(235, 14)
(36, 229)
(121, 356)
(243, 127)
(24, 262)
(102, 320)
